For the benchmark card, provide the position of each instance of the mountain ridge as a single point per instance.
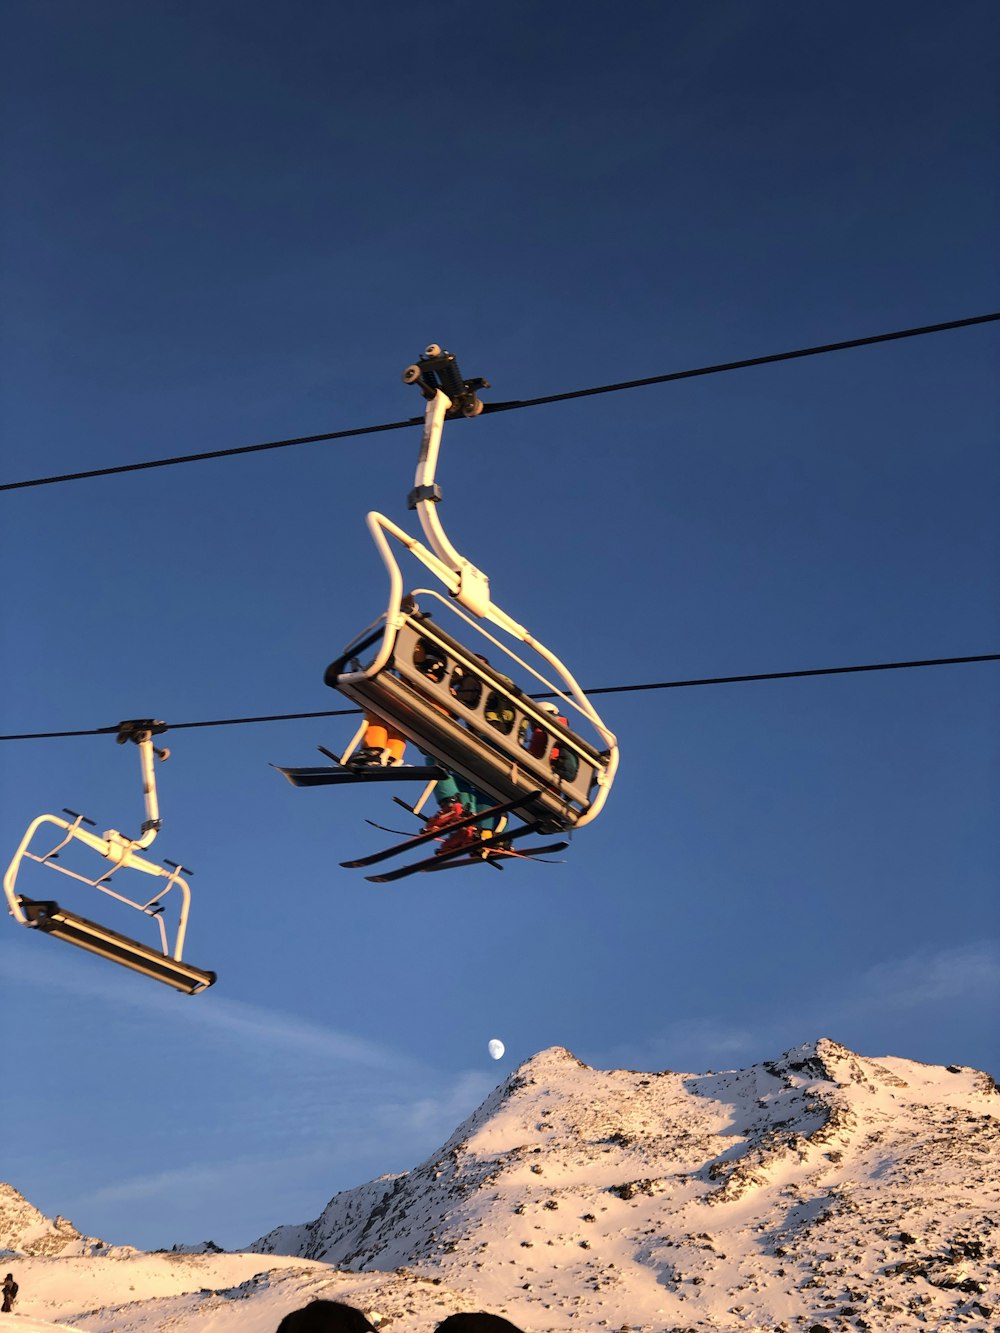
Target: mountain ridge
(820, 1190)
(628, 1176)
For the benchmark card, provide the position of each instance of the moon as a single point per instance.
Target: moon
(495, 1048)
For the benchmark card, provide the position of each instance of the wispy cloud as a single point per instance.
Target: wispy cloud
(968, 972)
(302, 1163)
(295, 1036)
(958, 977)
(175, 1181)
(440, 1110)
(257, 1026)
(686, 1045)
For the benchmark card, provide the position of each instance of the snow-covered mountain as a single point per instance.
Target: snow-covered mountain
(26, 1231)
(821, 1191)
(817, 1187)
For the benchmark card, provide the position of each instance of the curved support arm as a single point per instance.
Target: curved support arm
(518, 631)
(381, 528)
(473, 589)
(378, 526)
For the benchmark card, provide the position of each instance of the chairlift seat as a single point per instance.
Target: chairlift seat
(51, 919)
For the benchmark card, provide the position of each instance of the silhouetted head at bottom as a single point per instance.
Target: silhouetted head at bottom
(325, 1317)
(476, 1322)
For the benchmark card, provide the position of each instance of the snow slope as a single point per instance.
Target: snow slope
(817, 1191)
(817, 1188)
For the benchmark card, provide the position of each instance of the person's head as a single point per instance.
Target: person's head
(547, 706)
(476, 1321)
(325, 1317)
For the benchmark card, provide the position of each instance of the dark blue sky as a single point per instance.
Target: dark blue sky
(227, 223)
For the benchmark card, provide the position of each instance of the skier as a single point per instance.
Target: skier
(564, 763)
(9, 1293)
(382, 744)
(537, 739)
(457, 798)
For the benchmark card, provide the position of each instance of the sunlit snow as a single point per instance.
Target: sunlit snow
(820, 1187)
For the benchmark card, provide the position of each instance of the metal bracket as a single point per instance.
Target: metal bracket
(438, 370)
(420, 493)
(139, 729)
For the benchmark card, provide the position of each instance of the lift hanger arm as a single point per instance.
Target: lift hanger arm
(467, 584)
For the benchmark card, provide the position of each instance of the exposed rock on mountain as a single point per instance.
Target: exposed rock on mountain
(819, 1189)
(26, 1231)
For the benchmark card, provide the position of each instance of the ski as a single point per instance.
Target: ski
(536, 853)
(443, 858)
(384, 828)
(498, 855)
(325, 777)
(419, 839)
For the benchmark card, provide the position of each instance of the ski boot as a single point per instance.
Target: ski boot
(369, 757)
(469, 837)
(447, 815)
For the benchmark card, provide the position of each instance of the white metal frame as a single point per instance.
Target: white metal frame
(469, 587)
(115, 847)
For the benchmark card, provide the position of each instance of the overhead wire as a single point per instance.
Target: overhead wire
(512, 405)
(604, 689)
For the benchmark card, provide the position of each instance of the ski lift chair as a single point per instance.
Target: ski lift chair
(445, 696)
(48, 917)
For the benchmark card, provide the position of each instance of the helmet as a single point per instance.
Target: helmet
(548, 707)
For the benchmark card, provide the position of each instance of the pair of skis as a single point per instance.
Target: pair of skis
(488, 849)
(339, 773)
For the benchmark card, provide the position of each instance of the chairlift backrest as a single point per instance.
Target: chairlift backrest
(473, 719)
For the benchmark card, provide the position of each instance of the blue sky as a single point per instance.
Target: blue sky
(230, 223)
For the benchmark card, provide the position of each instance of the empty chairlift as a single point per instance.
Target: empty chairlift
(163, 963)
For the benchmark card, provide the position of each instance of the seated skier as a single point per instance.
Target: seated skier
(457, 798)
(382, 745)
